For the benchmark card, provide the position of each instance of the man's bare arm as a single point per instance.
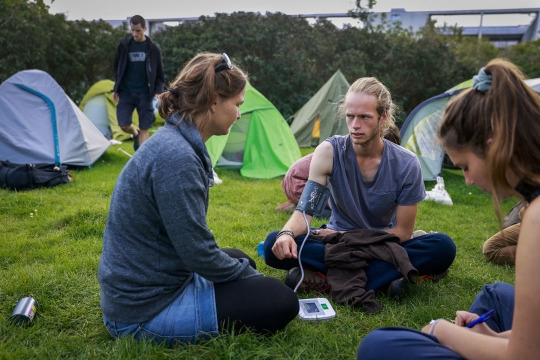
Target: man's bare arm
(405, 219)
(321, 163)
(320, 167)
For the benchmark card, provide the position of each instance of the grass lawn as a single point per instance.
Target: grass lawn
(54, 254)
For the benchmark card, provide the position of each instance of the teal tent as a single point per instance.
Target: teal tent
(260, 143)
(419, 132)
(316, 121)
(98, 105)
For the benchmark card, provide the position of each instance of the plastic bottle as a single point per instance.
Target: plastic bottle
(260, 249)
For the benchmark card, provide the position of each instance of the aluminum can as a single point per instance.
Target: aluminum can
(24, 311)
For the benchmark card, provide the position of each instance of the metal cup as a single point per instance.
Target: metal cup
(24, 311)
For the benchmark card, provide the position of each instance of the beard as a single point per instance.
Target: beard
(374, 135)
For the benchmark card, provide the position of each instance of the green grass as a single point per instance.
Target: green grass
(54, 256)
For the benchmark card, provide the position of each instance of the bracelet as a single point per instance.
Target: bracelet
(432, 328)
(285, 232)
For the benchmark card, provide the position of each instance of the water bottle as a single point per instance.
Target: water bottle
(260, 249)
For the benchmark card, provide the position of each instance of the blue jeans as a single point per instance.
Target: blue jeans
(430, 254)
(191, 316)
(403, 343)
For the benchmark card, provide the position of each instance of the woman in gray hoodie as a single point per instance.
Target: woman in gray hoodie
(162, 275)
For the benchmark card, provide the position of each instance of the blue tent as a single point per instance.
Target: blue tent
(419, 132)
(40, 124)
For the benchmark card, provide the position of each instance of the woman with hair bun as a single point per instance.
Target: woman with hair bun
(492, 132)
(162, 275)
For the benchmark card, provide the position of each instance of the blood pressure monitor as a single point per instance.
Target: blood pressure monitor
(314, 198)
(316, 309)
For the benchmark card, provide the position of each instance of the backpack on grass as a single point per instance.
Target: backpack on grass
(31, 176)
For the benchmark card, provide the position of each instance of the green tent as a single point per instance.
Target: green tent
(315, 121)
(464, 85)
(419, 131)
(99, 106)
(260, 143)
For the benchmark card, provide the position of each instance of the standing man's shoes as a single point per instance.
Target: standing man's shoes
(136, 141)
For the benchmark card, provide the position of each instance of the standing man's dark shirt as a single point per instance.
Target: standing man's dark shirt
(135, 79)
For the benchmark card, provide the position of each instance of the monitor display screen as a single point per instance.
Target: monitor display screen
(311, 307)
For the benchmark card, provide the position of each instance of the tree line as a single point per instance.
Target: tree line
(75, 53)
(287, 58)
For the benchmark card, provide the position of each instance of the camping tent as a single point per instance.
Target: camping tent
(315, 121)
(260, 143)
(40, 124)
(419, 132)
(100, 108)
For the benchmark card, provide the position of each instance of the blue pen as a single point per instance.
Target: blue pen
(482, 318)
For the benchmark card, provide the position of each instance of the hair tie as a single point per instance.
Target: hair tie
(171, 90)
(482, 81)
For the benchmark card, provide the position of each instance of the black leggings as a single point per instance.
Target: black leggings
(263, 304)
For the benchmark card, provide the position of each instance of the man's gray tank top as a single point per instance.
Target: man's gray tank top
(361, 204)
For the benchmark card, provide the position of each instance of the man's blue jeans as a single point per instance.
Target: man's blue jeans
(430, 254)
(403, 343)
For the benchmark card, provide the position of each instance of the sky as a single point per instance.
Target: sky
(155, 9)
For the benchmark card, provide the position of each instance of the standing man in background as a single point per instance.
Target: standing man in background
(138, 72)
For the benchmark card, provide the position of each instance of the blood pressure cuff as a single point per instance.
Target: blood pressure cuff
(314, 198)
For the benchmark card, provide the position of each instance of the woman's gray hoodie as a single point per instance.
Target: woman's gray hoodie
(156, 235)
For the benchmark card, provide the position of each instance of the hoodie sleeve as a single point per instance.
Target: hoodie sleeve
(117, 61)
(160, 76)
(181, 193)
